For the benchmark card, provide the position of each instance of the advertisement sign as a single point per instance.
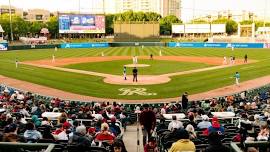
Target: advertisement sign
(3, 46)
(70, 23)
(216, 45)
(84, 45)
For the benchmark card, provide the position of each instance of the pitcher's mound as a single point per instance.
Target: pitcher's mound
(142, 80)
(137, 65)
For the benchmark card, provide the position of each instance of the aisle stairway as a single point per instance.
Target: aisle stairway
(130, 139)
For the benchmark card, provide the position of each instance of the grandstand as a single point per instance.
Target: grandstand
(68, 80)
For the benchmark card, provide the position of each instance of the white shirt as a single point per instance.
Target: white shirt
(204, 124)
(175, 124)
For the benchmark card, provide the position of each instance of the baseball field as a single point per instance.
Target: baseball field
(98, 72)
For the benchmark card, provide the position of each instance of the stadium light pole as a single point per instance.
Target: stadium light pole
(193, 11)
(79, 6)
(265, 7)
(10, 21)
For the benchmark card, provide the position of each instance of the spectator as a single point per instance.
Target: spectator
(215, 127)
(205, 122)
(115, 128)
(45, 122)
(36, 121)
(151, 146)
(264, 131)
(62, 133)
(148, 122)
(47, 133)
(92, 132)
(23, 110)
(215, 144)
(191, 131)
(162, 124)
(191, 120)
(104, 134)
(119, 146)
(11, 135)
(79, 137)
(31, 133)
(175, 124)
(185, 101)
(184, 143)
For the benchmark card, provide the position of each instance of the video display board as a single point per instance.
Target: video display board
(81, 23)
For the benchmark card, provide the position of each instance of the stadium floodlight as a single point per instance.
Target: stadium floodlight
(10, 22)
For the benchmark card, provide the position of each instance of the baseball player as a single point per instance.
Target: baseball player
(53, 58)
(102, 54)
(225, 60)
(55, 48)
(125, 73)
(160, 53)
(133, 59)
(135, 74)
(231, 60)
(237, 78)
(136, 59)
(16, 63)
(245, 58)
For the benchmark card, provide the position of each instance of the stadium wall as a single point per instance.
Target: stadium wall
(135, 31)
(3, 46)
(216, 45)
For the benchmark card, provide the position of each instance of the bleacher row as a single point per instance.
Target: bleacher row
(262, 94)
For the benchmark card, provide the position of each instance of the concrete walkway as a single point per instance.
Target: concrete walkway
(130, 139)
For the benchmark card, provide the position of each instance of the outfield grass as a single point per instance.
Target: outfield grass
(94, 86)
(156, 67)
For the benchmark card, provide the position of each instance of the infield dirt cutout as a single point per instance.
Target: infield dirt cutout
(142, 79)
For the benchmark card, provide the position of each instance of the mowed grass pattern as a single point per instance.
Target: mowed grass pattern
(94, 86)
(156, 67)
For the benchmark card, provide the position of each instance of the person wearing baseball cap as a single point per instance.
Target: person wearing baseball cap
(215, 127)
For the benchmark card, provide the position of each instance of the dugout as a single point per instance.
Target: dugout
(136, 31)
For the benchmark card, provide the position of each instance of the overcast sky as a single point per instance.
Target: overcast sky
(201, 7)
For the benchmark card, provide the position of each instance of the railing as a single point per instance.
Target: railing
(8, 146)
(261, 145)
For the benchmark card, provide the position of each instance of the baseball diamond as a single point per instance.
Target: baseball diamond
(85, 72)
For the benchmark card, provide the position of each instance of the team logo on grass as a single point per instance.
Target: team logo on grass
(135, 91)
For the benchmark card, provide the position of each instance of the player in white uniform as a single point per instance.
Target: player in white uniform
(53, 58)
(225, 60)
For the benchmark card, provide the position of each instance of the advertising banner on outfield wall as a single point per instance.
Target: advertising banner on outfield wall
(3, 46)
(215, 45)
(84, 45)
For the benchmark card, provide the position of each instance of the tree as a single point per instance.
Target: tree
(166, 24)
(20, 27)
(109, 23)
(152, 16)
(199, 22)
(52, 26)
(36, 27)
(231, 27)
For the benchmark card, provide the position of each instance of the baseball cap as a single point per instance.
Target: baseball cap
(66, 125)
(215, 122)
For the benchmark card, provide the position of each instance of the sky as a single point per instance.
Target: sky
(201, 7)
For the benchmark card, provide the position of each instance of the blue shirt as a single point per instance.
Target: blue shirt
(237, 75)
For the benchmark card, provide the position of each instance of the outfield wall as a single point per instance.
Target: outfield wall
(134, 44)
(84, 45)
(216, 45)
(3, 46)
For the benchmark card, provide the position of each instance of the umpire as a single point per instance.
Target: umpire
(135, 74)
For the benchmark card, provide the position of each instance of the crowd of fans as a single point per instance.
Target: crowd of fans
(21, 121)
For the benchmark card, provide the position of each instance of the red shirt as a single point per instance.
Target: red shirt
(105, 136)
